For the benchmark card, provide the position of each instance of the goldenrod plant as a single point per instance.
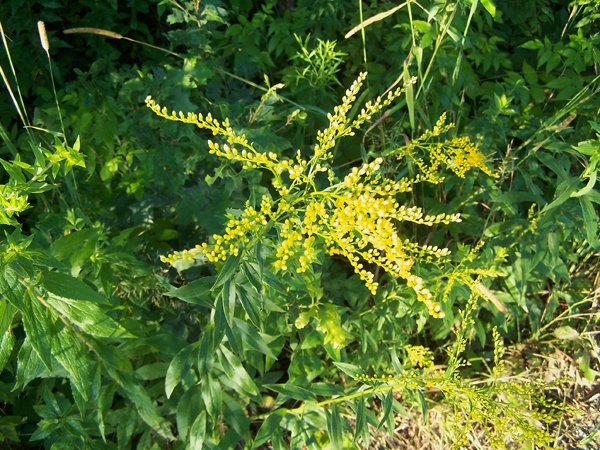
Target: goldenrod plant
(316, 210)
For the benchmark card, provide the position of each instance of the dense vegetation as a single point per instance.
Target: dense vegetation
(372, 225)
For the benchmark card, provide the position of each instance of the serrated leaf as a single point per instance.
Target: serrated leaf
(88, 316)
(38, 327)
(181, 362)
(66, 286)
(29, 365)
(72, 355)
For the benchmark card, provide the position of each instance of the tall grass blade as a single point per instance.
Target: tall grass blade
(20, 105)
(371, 20)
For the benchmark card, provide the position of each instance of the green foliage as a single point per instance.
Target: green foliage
(271, 333)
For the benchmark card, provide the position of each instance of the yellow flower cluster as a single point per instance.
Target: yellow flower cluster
(248, 156)
(419, 356)
(357, 217)
(295, 249)
(459, 154)
(238, 233)
(339, 124)
(250, 159)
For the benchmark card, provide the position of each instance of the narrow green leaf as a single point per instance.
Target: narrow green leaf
(563, 193)
(423, 404)
(126, 426)
(593, 176)
(387, 409)
(326, 389)
(489, 7)
(152, 371)
(235, 417)
(410, 96)
(256, 340)
(198, 432)
(291, 391)
(229, 294)
(267, 430)
(197, 292)
(590, 221)
(105, 400)
(188, 408)
(254, 275)
(72, 355)
(362, 427)
(220, 324)
(182, 362)
(249, 305)
(112, 356)
(335, 427)
(212, 395)
(207, 349)
(7, 313)
(141, 399)
(373, 19)
(349, 369)
(228, 270)
(7, 343)
(235, 372)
